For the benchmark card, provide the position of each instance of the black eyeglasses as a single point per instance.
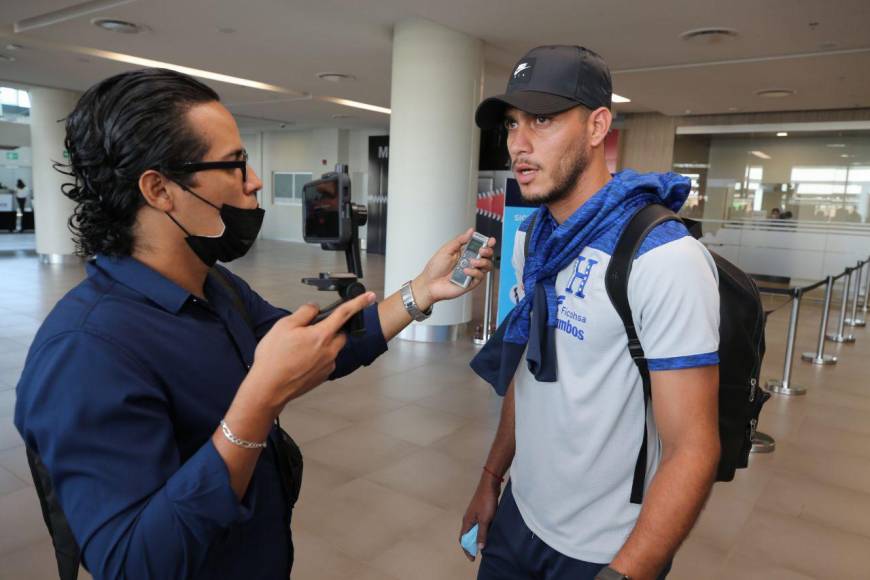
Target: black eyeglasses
(195, 166)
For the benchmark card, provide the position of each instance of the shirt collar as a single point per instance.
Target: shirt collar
(137, 276)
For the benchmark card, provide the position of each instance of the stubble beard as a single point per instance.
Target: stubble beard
(566, 178)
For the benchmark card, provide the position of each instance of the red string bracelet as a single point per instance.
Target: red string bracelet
(492, 473)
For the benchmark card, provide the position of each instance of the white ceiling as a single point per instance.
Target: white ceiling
(286, 42)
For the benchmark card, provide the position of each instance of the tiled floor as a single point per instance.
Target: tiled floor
(393, 452)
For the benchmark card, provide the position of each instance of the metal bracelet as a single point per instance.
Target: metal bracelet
(239, 442)
(410, 304)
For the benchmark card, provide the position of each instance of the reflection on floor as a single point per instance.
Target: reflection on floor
(393, 452)
(13, 243)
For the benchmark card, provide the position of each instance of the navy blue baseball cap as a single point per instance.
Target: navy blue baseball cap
(549, 80)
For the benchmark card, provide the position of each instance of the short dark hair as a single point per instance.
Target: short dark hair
(120, 128)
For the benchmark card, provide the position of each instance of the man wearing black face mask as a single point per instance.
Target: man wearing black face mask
(241, 227)
(147, 393)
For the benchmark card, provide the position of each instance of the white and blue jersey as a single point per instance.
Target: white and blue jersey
(577, 439)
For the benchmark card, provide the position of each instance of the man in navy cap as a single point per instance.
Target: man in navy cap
(602, 485)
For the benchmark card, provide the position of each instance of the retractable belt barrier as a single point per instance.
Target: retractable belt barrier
(851, 292)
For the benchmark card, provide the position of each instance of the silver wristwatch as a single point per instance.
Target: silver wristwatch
(608, 573)
(411, 304)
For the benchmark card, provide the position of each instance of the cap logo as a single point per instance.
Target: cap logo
(522, 67)
(523, 72)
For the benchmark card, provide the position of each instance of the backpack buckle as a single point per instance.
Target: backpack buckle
(635, 349)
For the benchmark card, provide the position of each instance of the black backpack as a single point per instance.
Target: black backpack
(741, 344)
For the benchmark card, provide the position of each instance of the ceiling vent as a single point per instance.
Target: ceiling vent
(335, 77)
(119, 26)
(709, 35)
(775, 93)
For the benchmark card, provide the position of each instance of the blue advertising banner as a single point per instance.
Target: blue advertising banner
(516, 210)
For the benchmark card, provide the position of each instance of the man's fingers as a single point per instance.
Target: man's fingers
(454, 245)
(303, 315)
(474, 273)
(468, 522)
(337, 343)
(482, 529)
(466, 237)
(333, 323)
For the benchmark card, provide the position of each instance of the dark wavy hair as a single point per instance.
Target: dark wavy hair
(120, 128)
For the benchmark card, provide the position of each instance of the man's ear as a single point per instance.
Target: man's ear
(598, 124)
(153, 186)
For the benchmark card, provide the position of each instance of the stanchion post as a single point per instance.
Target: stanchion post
(840, 336)
(784, 387)
(853, 320)
(863, 297)
(487, 312)
(819, 357)
(864, 305)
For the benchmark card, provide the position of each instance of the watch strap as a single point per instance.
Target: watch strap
(608, 573)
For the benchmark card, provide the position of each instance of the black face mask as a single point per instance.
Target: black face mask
(241, 227)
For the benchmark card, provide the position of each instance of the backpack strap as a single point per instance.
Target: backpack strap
(291, 469)
(616, 282)
(239, 305)
(66, 549)
(529, 231)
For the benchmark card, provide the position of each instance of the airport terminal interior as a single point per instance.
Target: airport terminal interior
(763, 106)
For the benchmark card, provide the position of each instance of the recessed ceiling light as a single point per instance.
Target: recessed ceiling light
(355, 104)
(710, 35)
(335, 77)
(7, 58)
(845, 156)
(119, 26)
(775, 93)
(760, 154)
(782, 134)
(66, 14)
(619, 98)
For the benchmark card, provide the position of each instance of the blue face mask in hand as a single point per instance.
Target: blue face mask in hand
(468, 541)
(241, 228)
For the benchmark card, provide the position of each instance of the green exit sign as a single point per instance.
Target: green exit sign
(12, 155)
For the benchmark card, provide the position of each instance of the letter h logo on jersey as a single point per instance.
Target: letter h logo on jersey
(582, 267)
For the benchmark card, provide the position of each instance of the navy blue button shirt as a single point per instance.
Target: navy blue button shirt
(124, 384)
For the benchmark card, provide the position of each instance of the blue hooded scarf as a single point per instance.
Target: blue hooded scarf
(554, 247)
